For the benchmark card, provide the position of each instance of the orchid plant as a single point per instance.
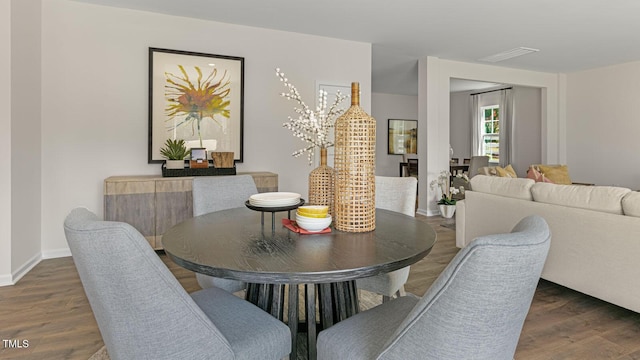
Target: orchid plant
(443, 183)
(312, 126)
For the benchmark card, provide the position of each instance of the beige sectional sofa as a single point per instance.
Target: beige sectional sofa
(595, 243)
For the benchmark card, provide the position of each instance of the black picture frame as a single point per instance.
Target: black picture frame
(197, 97)
(402, 137)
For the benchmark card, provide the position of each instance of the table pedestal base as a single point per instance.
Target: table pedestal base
(337, 301)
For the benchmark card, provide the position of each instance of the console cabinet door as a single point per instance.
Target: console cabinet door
(174, 204)
(132, 202)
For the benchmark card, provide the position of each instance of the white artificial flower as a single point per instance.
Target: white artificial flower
(311, 126)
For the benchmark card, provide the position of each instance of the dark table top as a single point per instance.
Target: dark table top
(232, 244)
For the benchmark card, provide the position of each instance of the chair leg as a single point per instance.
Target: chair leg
(397, 294)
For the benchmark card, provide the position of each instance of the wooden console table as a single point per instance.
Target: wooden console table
(152, 204)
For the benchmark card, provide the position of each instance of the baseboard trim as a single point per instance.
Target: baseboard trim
(26, 267)
(12, 279)
(427, 212)
(57, 253)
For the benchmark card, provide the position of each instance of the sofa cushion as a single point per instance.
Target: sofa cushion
(517, 188)
(631, 204)
(559, 174)
(599, 198)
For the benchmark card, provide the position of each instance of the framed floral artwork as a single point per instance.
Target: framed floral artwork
(196, 97)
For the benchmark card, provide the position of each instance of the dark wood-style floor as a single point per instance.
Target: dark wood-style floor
(48, 308)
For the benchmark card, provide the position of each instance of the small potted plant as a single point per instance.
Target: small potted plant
(447, 203)
(175, 151)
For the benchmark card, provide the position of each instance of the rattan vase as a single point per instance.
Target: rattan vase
(354, 161)
(322, 183)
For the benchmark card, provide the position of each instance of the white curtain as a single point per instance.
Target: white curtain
(506, 126)
(474, 115)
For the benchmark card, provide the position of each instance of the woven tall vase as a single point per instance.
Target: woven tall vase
(322, 183)
(354, 162)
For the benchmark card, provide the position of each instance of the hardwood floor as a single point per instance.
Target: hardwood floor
(48, 308)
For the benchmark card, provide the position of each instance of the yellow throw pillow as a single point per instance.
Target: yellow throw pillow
(506, 172)
(559, 174)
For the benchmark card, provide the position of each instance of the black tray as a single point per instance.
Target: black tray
(210, 171)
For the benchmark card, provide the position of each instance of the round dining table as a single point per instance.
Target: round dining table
(234, 244)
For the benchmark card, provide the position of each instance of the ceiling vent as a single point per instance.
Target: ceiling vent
(509, 54)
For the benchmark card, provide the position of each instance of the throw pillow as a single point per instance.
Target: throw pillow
(488, 170)
(534, 174)
(559, 174)
(506, 172)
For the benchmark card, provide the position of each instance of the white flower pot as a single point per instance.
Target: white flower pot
(447, 211)
(175, 164)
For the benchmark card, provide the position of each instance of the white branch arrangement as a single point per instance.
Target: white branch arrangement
(311, 126)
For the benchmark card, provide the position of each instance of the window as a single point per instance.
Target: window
(490, 132)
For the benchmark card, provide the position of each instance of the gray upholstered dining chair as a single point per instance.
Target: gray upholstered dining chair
(143, 312)
(476, 163)
(395, 194)
(217, 193)
(474, 310)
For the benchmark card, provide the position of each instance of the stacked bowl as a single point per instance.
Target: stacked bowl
(313, 218)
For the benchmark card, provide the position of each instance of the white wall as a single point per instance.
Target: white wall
(5, 143)
(434, 110)
(527, 125)
(383, 108)
(603, 125)
(433, 139)
(94, 105)
(26, 152)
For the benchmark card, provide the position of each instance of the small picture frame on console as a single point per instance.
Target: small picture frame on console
(199, 158)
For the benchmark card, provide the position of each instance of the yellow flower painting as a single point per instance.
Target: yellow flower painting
(190, 101)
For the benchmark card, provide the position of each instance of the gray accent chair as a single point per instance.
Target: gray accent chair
(474, 310)
(217, 193)
(144, 313)
(396, 194)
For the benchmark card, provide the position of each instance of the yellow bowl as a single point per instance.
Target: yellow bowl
(315, 211)
(311, 216)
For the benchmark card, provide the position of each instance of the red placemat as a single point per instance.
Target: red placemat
(291, 225)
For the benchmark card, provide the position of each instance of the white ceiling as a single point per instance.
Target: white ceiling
(572, 35)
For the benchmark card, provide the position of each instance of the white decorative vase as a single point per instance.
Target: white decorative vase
(175, 164)
(447, 211)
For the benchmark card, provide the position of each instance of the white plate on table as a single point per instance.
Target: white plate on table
(274, 199)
